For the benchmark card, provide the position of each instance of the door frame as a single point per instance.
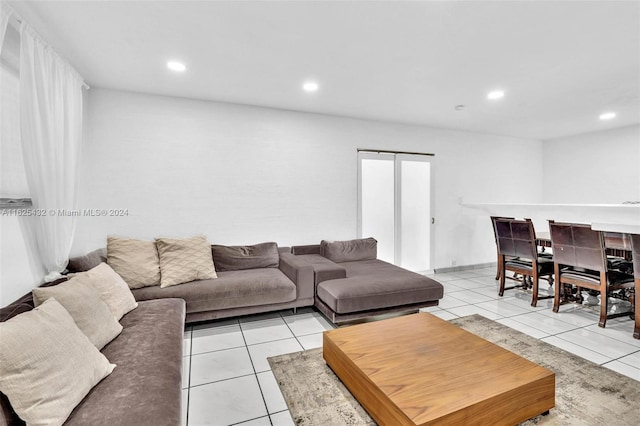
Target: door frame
(397, 157)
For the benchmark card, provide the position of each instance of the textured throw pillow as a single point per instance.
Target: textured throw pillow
(349, 251)
(184, 259)
(84, 304)
(47, 366)
(113, 290)
(234, 258)
(136, 261)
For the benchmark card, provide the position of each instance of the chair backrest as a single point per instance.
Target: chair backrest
(577, 245)
(493, 223)
(635, 252)
(516, 238)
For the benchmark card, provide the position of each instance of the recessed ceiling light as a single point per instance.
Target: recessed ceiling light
(310, 86)
(607, 116)
(496, 94)
(176, 66)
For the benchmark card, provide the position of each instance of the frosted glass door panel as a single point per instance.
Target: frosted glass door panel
(377, 204)
(415, 215)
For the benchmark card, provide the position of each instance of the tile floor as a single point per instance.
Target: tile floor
(227, 380)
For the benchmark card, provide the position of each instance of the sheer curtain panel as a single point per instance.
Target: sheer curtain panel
(51, 127)
(5, 13)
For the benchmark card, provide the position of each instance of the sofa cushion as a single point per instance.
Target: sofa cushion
(184, 259)
(145, 388)
(88, 261)
(232, 289)
(47, 365)
(374, 284)
(83, 302)
(136, 261)
(349, 251)
(236, 258)
(113, 290)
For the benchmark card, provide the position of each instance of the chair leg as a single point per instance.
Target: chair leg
(604, 300)
(636, 312)
(557, 288)
(636, 330)
(499, 267)
(502, 278)
(534, 278)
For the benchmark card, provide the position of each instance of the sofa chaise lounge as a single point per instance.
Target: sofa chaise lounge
(351, 283)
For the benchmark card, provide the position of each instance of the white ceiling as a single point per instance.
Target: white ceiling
(560, 63)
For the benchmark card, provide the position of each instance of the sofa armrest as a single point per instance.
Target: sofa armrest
(300, 272)
(326, 272)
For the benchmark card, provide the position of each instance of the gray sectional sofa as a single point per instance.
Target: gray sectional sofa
(145, 387)
(344, 280)
(351, 283)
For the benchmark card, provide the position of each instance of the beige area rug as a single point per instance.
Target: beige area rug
(586, 394)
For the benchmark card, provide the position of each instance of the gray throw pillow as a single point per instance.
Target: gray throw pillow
(234, 258)
(350, 251)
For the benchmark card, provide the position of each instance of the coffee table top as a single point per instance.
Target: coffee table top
(429, 368)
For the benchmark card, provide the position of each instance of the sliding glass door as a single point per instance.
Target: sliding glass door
(395, 206)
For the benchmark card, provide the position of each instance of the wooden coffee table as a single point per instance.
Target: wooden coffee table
(420, 370)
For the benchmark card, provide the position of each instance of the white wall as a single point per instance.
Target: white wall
(19, 273)
(242, 175)
(601, 167)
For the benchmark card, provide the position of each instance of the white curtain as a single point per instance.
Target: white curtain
(51, 127)
(5, 13)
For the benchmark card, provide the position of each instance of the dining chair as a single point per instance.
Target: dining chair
(518, 252)
(580, 262)
(500, 264)
(635, 252)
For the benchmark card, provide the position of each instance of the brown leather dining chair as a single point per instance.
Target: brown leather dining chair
(500, 264)
(517, 252)
(580, 262)
(635, 252)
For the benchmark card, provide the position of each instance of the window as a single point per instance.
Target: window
(14, 191)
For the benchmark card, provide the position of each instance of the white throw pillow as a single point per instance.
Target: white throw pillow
(47, 365)
(113, 290)
(136, 261)
(83, 302)
(184, 259)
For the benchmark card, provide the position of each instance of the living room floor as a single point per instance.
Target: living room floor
(227, 379)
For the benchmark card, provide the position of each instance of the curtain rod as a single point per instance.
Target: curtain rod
(384, 151)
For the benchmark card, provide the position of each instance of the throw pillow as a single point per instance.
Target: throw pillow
(86, 262)
(234, 258)
(84, 304)
(184, 259)
(136, 261)
(349, 251)
(47, 366)
(113, 290)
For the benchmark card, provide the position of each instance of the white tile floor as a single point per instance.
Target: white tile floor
(227, 379)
